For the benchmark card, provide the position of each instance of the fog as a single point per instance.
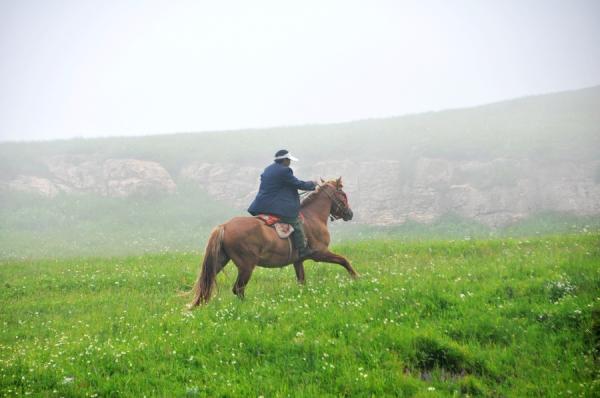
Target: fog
(91, 68)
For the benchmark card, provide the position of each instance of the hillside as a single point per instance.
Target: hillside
(487, 167)
(561, 126)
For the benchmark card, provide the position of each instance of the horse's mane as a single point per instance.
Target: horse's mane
(314, 194)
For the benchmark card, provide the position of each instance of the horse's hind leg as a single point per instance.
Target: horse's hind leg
(244, 274)
(223, 260)
(299, 268)
(329, 257)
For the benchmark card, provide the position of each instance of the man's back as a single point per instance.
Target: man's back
(278, 192)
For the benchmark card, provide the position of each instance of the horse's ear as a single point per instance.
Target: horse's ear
(322, 180)
(339, 182)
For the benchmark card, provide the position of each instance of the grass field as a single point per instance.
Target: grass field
(505, 318)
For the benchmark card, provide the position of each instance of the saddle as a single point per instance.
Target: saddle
(283, 230)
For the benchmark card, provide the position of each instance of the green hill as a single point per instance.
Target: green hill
(553, 126)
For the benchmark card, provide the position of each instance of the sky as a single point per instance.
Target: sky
(117, 67)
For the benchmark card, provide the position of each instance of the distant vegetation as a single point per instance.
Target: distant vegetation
(70, 225)
(76, 225)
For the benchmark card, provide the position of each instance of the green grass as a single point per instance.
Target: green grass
(505, 318)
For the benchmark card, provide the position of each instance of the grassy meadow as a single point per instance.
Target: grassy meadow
(493, 317)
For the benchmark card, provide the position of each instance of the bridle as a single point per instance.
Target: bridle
(339, 208)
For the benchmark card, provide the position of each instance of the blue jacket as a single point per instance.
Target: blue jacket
(278, 192)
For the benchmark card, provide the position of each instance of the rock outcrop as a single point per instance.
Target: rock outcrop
(110, 177)
(127, 177)
(228, 182)
(495, 192)
(32, 184)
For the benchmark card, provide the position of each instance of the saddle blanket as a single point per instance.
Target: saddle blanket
(283, 230)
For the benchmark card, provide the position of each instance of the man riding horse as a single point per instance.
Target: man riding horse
(249, 242)
(278, 195)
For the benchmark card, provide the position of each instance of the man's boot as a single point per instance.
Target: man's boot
(300, 241)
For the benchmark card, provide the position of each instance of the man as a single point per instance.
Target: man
(278, 195)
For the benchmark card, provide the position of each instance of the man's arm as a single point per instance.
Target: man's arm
(290, 179)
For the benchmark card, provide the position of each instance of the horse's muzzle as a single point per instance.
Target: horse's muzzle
(347, 215)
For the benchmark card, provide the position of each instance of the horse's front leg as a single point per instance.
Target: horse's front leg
(299, 268)
(329, 257)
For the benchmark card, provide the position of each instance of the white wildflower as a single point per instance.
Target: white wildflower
(68, 380)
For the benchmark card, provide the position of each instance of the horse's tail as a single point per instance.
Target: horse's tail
(214, 259)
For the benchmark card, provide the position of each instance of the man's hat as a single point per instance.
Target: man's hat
(284, 154)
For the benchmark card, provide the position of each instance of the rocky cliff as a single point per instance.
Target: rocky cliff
(495, 192)
(110, 177)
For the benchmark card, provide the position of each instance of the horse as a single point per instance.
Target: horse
(250, 243)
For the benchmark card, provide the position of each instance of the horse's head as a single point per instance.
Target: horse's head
(340, 208)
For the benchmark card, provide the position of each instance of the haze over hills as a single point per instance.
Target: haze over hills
(494, 165)
(537, 127)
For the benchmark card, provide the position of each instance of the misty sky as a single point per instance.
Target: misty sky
(98, 68)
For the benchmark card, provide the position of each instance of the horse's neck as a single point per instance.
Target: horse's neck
(319, 207)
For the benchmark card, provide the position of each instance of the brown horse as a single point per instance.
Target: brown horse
(249, 242)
